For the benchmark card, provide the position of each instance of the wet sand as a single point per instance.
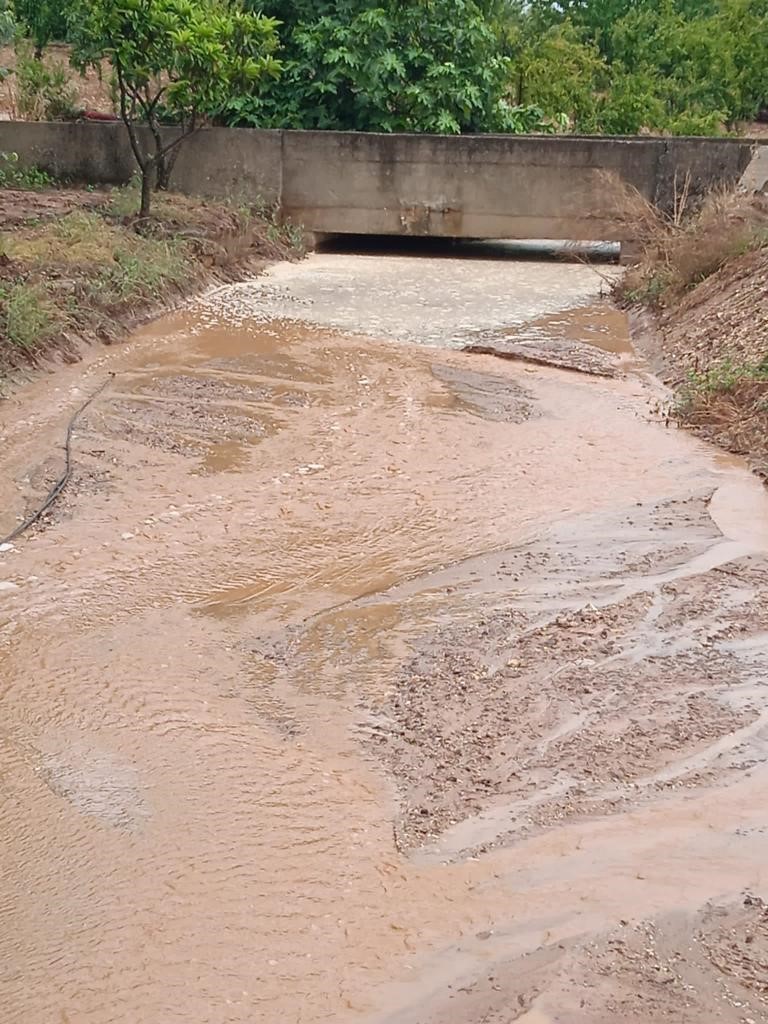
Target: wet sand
(361, 678)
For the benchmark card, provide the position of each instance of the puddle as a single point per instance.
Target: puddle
(592, 339)
(599, 325)
(226, 457)
(740, 508)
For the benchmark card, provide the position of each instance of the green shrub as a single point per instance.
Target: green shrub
(14, 176)
(44, 90)
(723, 377)
(7, 27)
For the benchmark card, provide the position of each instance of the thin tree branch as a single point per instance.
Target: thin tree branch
(186, 134)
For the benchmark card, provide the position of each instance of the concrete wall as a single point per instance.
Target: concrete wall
(469, 186)
(755, 178)
(215, 162)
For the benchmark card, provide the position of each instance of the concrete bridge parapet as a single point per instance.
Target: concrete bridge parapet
(481, 186)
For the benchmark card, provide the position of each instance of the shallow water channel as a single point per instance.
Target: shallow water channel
(238, 784)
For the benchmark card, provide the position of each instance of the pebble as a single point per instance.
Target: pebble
(6, 547)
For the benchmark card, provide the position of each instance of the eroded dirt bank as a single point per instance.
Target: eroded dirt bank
(698, 298)
(712, 348)
(358, 679)
(79, 266)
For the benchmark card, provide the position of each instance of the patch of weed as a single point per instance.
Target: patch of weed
(125, 201)
(143, 270)
(80, 237)
(644, 286)
(686, 246)
(14, 176)
(29, 317)
(291, 235)
(724, 376)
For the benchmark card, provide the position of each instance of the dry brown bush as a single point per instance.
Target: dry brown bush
(736, 418)
(686, 245)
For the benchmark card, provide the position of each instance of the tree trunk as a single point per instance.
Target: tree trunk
(165, 155)
(163, 173)
(165, 163)
(146, 164)
(146, 190)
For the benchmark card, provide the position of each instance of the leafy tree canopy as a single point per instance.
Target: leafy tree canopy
(618, 66)
(396, 65)
(44, 20)
(681, 66)
(172, 59)
(614, 66)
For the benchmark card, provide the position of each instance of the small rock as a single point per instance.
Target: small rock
(6, 547)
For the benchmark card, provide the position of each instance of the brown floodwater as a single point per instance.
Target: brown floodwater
(284, 488)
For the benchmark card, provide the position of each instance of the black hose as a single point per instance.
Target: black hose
(63, 480)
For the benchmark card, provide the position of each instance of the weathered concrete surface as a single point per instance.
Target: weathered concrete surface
(482, 187)
(487, 186)
(215, 162)
(755, 178)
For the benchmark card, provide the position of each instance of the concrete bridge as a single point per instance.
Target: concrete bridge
(484, 186)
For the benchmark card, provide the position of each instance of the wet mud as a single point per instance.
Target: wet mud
(686, 968)
(360, 678)
(591, 339)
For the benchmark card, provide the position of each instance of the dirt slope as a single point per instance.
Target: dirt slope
(92, 92)
(723, 318)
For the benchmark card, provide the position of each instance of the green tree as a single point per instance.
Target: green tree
(7, 28)
(173, 60)
(398, 65)
(43, 20)
(556, 70)
(597, 18)
(744, 23)
(674, 66)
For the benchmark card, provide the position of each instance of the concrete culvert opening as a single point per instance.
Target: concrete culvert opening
(471, 248)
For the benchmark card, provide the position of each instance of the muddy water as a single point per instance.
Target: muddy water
(288, 489)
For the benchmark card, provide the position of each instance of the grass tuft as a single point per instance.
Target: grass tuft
(28, 317)
(79, 237)
(144, 274)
